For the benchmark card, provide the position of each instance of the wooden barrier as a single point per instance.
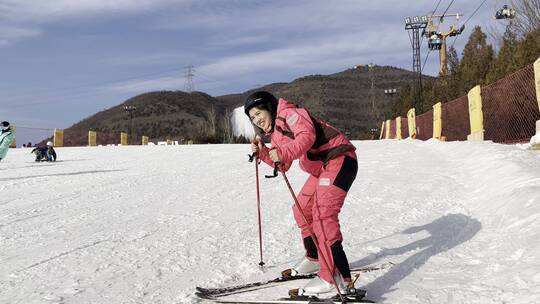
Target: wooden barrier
(411, 122)
(475, 114)
(92, 138)
(58, 138)
(398, 128)
(437, 120)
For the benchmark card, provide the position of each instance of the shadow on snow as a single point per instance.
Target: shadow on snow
(60, 174)
(445, 233)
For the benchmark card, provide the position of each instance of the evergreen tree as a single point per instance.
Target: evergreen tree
(506, 61)
(528, 50)
(476, 61)
(453, 60)
(452, 80)
(404, 101)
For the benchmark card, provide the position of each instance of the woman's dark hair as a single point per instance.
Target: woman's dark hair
(264, 101)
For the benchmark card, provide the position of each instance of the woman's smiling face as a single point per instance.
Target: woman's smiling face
(261, 118)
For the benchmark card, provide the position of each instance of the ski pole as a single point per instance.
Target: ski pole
(261, 263)
(312, 233)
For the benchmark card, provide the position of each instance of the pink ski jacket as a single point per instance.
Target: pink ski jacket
(297, 135)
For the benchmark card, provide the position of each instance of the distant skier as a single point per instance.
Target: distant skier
(6, 137)
(45, 153)
(330, 159)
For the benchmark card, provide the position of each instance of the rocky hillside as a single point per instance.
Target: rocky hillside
(346, 100)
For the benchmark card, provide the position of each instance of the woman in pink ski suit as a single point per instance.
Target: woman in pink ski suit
(330, 159)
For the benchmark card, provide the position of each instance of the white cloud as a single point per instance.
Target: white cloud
(146, 59)
(38, 11)
(297, 15)
(320, 54)
(141, 86)
(11, 34)
(25, 19)
(226, 41)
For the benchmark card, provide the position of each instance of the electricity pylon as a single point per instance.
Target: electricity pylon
(188, 85)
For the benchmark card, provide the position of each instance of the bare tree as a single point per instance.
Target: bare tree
(211, 116)
(495, 32)
(527, 16)
(226, 127)
(527, 19)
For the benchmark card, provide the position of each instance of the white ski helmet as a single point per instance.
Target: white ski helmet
(49, 143)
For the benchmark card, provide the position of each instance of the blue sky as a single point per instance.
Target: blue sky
(61, 61)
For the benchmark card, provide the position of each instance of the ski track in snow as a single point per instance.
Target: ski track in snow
(134, 224)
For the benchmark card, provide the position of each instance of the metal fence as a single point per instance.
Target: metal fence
(509, 106)
(424, 125)
(404, 127)
(457, 112)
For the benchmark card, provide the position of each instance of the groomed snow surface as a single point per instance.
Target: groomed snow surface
(460, 220)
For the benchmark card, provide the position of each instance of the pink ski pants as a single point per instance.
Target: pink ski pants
(321, 201)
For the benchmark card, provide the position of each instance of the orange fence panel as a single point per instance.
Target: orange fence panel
(455, 119)
(404, 127)
(392, 129)
(424, 125)
(510, 108)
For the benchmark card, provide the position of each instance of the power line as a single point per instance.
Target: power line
(432, 13)
(475, 11)
(425, 60)
(57, 100)
(447, 9)
(63, 98)
(92, 84)
(208, 78)
(33, 128)
(438, 24)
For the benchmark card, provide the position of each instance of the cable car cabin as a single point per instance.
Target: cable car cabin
(435, 42)
(505, 13)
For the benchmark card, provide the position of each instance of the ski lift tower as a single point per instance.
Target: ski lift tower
(437, 39)
(414, 24)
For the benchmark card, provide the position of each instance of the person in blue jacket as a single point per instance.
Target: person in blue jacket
(45, 153)
(6, 137)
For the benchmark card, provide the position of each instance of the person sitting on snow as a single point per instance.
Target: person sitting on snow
(45, 153)
(6, 137)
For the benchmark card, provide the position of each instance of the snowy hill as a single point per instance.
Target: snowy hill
(460, 220)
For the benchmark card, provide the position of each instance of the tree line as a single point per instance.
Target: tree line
(480, 62)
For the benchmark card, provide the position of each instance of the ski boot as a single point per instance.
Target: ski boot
(303, 267)
(318, 289)
(317, 286)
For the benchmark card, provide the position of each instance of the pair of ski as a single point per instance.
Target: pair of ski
(216, 294)
(358, 297)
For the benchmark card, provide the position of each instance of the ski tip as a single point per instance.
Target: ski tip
(201, 289)
(204, 296)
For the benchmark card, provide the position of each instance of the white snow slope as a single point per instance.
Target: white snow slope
(460, 220)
